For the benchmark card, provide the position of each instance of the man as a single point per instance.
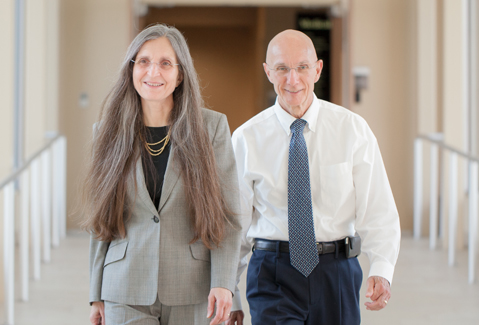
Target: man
(311, 177)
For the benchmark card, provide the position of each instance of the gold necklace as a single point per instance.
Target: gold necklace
(157, 152)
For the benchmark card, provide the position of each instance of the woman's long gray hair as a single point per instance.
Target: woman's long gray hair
(117, 147)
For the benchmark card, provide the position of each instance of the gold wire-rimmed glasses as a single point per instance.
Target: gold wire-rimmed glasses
(146, 64)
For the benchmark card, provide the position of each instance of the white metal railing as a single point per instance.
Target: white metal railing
(42, 193)
(439, 153)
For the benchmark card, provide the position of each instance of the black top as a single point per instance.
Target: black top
(154, 178)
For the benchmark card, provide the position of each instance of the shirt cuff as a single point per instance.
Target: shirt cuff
(382, 269)
(236, 301)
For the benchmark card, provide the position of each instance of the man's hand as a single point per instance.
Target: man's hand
(379, 291)
(224, 300)
(97, 313)
(236, 318)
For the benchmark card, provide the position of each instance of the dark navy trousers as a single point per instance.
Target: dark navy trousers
(278, 294)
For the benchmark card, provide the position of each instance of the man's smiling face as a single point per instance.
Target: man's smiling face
(292, 49)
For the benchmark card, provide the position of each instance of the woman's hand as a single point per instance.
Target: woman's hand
(224, 300)
(97, 313)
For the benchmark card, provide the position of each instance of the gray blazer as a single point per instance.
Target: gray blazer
(156, 258)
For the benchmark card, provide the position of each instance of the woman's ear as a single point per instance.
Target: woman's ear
(180, 79)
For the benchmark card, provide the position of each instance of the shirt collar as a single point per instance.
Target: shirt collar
(311, 115)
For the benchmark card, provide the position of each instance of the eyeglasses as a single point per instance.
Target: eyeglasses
(302, 69)
(146, 64)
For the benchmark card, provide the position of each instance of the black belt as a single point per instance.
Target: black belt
(323, 247)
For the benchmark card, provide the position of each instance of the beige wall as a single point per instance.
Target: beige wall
(427, 39)
(6, 106)
(382, 39)
(428, 81)
(6, 85)
(35, 74)
(93, 39)
(41, 73)
(454, 101)
(442, 103)
(453, 81)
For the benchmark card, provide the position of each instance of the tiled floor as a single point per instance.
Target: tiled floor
(425, 290)
(61, 296)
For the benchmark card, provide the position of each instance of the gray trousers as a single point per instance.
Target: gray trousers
(156, 314)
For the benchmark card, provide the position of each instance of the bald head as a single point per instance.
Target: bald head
(280, 45)
(293, 68)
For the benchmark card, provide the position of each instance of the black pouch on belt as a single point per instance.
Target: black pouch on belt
(352, 246)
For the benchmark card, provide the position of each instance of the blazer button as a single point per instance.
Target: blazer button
(155, 219)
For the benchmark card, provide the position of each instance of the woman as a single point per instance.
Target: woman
(160, 194)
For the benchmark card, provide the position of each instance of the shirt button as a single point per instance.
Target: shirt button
(155, 219)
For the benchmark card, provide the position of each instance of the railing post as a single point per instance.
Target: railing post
(473, 192)
(36, 190)
(417, 187)
(35, 215)
(63, 186)
(452, 207)
(46, 204)
(442, 195)
(56, 183)
(9, 251)
(25, 235)
(433, 202)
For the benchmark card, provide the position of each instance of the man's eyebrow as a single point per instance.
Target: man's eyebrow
(300, 63)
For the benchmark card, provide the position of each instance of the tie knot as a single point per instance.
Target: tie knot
(298, 125)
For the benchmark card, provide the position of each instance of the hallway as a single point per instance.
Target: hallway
(425, 289)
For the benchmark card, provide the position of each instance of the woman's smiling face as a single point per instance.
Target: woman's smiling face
(155, 72)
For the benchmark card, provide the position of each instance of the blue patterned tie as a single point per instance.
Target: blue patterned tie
(302, 241)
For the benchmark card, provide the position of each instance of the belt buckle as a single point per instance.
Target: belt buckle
(320, 248)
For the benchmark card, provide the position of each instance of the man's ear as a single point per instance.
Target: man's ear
(267, 71)
(317, 70)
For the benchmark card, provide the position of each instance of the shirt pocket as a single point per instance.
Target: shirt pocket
(336, 185)
(200, 252)
(115, 253)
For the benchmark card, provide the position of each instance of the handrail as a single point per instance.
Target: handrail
(42, 216)
(437, 204)
(448, 147)
(27, 163)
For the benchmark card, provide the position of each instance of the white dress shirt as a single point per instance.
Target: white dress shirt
(349, 186)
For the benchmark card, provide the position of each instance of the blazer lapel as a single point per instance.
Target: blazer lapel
(170, 180)
(142, 189)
